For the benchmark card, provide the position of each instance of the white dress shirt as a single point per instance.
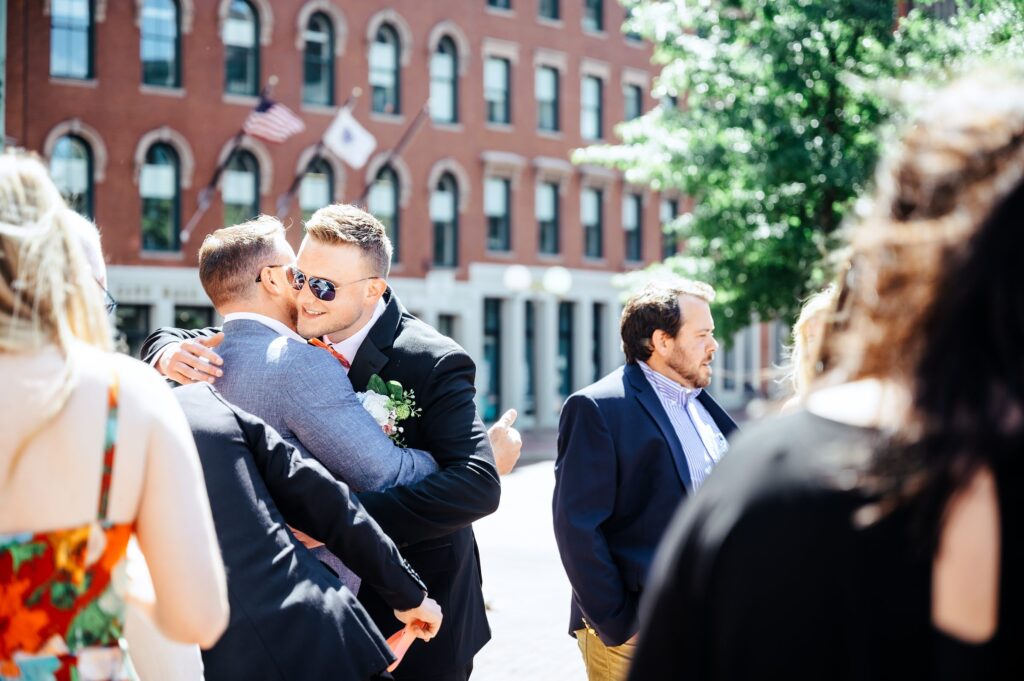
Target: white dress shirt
(350, 346)
(281, 328)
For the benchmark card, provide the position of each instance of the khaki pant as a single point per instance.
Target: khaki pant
(604, 663)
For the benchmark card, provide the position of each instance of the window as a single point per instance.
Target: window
(596, 340)
(593, 15)
(566, 312)
(669, 237)
(669, 103)
(549, 10)
(546, 211)
(632, 36)
(317, 187)
(546, 92)
(132, 323)
(500, 4)
(444, 87)
(729, 366)
(446, 325)
(632, 224)
(592, 214)
(497, 201)
(634, 101)
(241, 50)
(71, 170)
(160, 45)
(444, 202)
(318, 62)
(496, 90)
(530, 401)
(159, 184)
(591, 113)
(384, 56)
(492, 358)
(240, 188)
(383, 204)
(193, 316)
(71, 36)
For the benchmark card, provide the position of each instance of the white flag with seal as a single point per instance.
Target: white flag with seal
(351, 142)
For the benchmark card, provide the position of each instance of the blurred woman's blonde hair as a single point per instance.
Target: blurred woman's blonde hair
(808, 333)
(48, 293)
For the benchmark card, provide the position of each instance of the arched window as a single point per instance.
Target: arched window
(241, 49)
(444, 87)
(318, 62)
(71, 170)
(444, 214)
(383, 204)
(71, 39)
(159, 188)
(161, 44)
(240, 188)
(317, 188)
(384, 76)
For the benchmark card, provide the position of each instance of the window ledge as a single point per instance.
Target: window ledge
(322, 109)
(503, 255)
(549, 257)
(499, 127)
(386, 117)
(163, 255)
(550, 134)
(500, 11)
(602, 35)
(595, 262)
(593, 140)
(551, 23)
(74, 82)
(447, 127)
(636, 44)
(162, 91)
(633, 263)
(241, 100)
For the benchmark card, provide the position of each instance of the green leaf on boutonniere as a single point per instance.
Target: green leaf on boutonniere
(395, 390)
(376, 384)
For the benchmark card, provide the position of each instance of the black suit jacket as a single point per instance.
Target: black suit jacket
(290, 617)
(619, 477)
(431, 520)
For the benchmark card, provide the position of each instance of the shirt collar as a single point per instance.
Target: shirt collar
(350, 346)
(666, 387)
(281, 328)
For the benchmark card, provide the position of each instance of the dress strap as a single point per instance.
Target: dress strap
(109, 444)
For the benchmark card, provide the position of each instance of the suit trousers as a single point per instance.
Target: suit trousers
(604, 663)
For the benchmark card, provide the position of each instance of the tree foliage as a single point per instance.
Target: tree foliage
(782, 108)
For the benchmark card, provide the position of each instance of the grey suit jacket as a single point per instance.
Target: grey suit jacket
(305, 395)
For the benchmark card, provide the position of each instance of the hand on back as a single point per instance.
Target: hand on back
(192, 361)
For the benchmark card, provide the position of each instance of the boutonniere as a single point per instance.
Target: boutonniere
(389, 404)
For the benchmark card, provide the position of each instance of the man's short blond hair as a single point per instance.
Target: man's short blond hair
(231, 258)
(343, 223)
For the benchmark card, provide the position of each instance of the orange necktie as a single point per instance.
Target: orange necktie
(337, 355)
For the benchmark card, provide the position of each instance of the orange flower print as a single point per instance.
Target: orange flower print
(69, 552)
(24, 630)
(12, 596)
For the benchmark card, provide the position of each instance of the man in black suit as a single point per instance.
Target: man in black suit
(343, 298)
(290, 617)
(631, 447)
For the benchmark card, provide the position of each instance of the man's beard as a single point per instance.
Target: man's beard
(694, 377)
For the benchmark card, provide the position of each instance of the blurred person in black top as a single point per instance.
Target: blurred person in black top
(875, 534)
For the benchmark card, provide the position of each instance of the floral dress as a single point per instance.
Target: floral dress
(61, 617)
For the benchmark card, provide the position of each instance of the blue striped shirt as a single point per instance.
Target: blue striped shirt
(702, 441)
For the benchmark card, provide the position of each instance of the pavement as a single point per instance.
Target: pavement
(525, 587)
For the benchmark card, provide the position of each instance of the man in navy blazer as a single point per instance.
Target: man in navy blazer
(631, 447)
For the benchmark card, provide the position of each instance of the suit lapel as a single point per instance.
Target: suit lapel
(371, 357)
(652, 405)
(721, 418)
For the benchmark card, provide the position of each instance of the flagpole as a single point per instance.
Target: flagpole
(284, 201)
(206, 194)
(396, 151)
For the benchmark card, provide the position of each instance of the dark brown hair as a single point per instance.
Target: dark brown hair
(231, 258)
(655, 307)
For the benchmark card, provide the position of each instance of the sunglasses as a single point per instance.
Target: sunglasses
(323, 289)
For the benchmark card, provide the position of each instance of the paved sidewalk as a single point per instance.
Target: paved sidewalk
(525, 587)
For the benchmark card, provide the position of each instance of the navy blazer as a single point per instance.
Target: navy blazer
(290, 617)
(619, 477)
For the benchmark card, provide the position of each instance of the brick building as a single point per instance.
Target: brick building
(500, 241)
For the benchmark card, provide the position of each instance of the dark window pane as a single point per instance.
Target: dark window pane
(318, 62)
(132, 322)
(71, 34)
(496, 90)
(240, 188)
(241, 50)
(670, 238)
(632, 224)
(566, 311)
(383, 204)
(159, 183)
(72, 171)
(591, 108)
(444, 214)
(317, 187)
(546, 91)
(384, 73)
(497, 207)
(492, 358)
(633, 101)
(160, 44)
(530, 403)
(500, 4)
(593, 15)
(549, 9)
(444, 83)
(547, 211)
(193, 316)
(596, 340)
(593, 223)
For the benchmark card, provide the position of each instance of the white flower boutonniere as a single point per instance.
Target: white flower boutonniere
(389, 404)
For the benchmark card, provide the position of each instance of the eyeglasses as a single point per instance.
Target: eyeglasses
(323, 289)
(259, 277)
(108, 300)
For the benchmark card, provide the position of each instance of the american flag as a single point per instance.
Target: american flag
(272, 121)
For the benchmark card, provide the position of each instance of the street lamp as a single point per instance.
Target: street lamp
(556, 281)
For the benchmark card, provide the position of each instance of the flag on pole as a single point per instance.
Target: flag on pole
(349, 141)
(272, 121)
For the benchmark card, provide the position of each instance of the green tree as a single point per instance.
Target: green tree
(780, 120)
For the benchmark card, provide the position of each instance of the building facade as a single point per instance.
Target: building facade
(500, 241)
